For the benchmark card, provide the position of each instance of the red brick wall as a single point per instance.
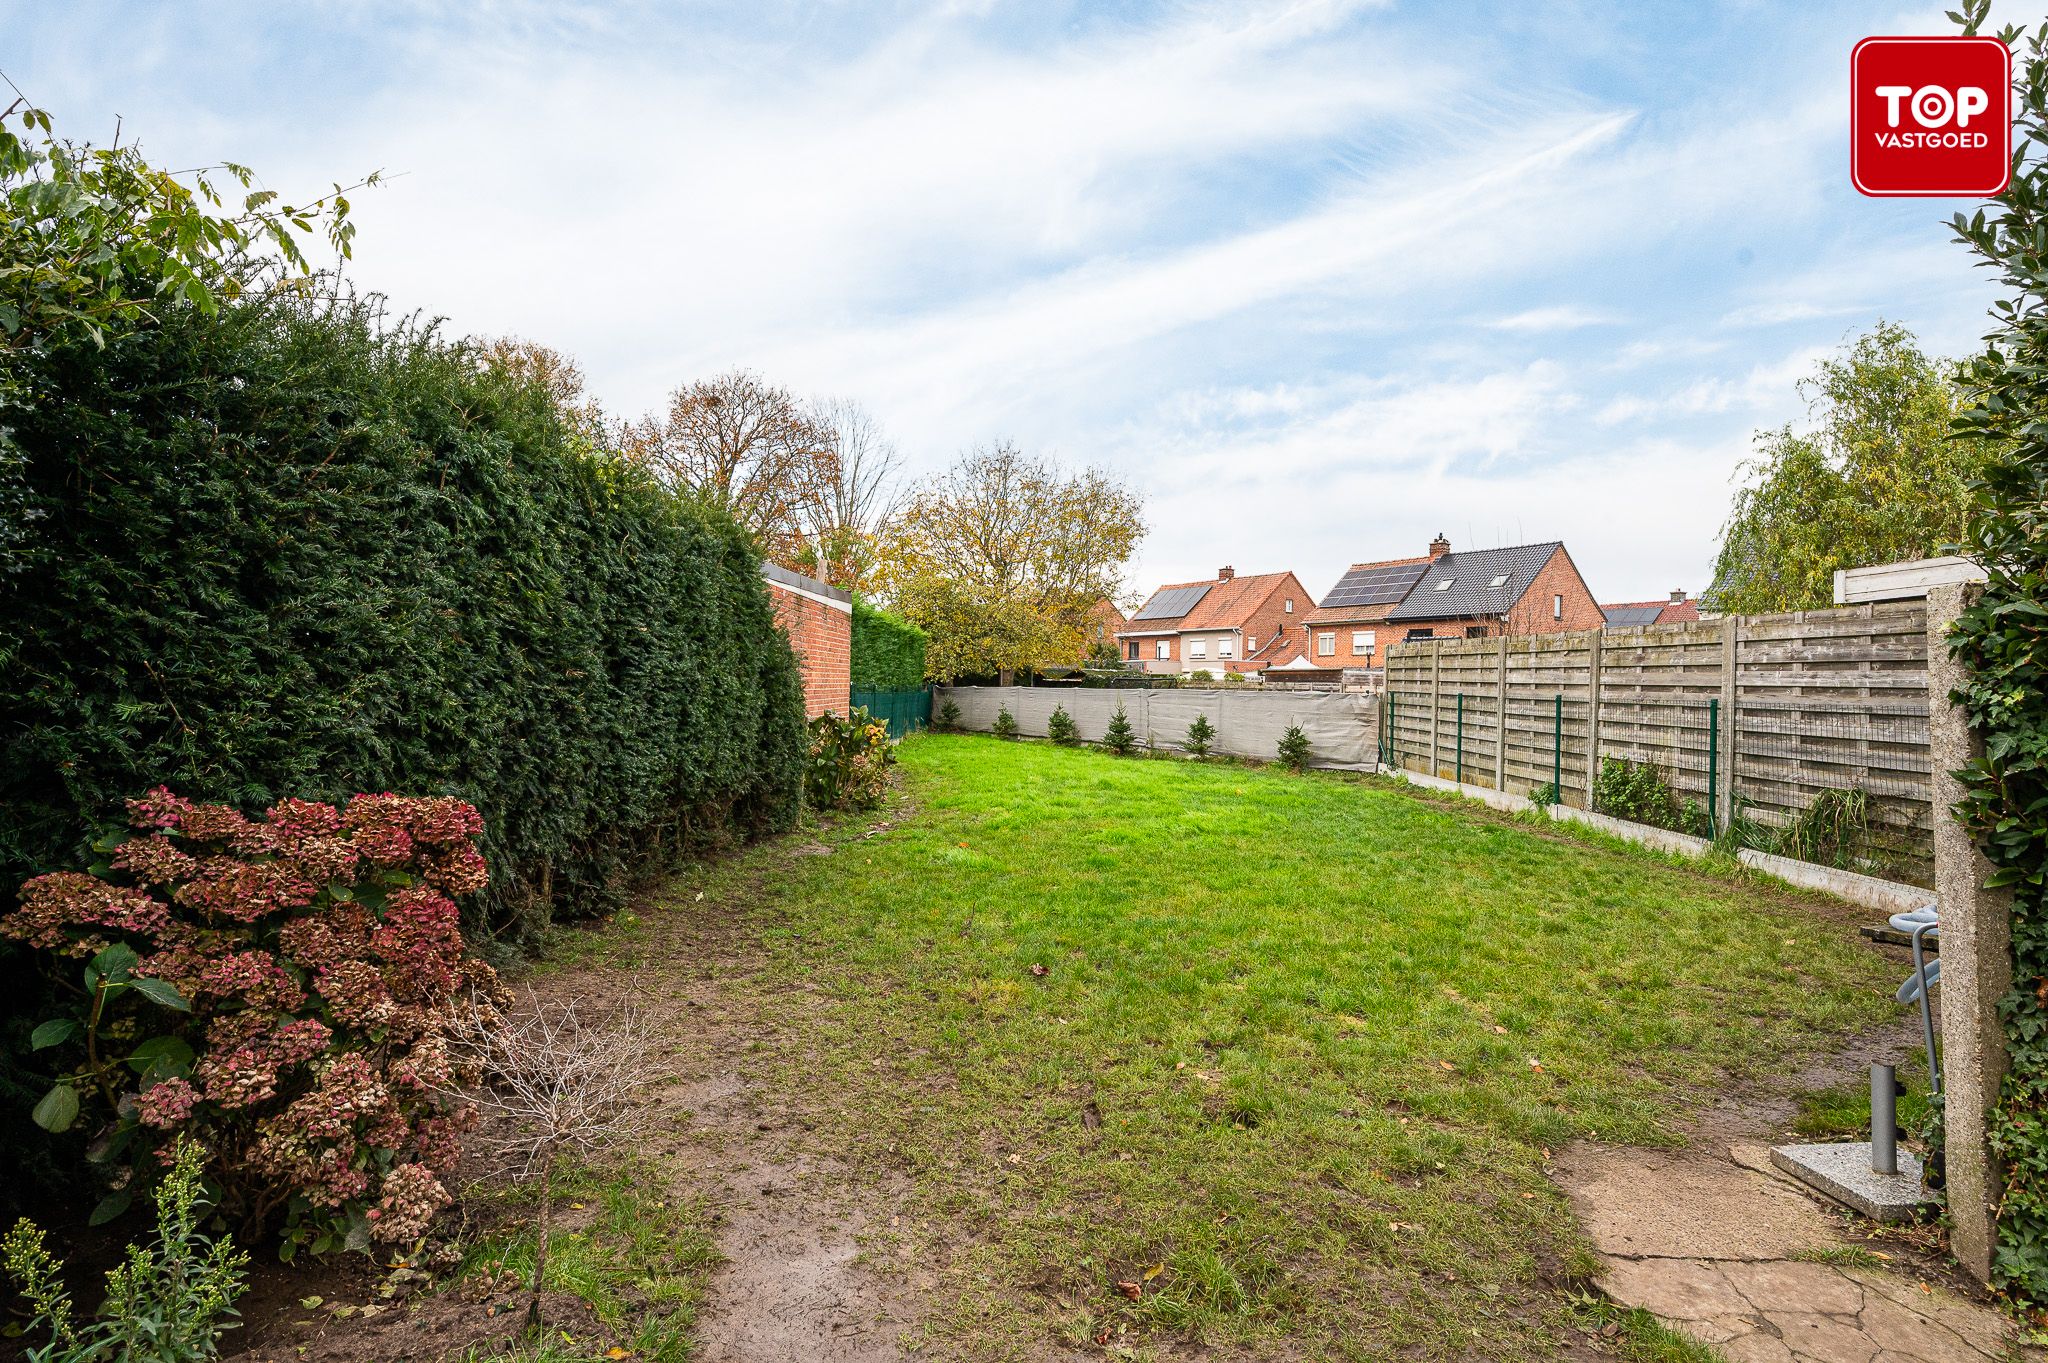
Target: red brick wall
(822, 637)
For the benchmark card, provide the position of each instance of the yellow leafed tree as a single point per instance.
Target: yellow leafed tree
(1002, 559)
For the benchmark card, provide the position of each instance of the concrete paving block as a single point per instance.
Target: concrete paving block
(1842, 1171)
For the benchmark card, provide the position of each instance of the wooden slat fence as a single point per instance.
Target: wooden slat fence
(1767, 718)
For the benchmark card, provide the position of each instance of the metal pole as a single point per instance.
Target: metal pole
(1461, 738)
(1557, 749)
(1884, 1120)
(1713, 766)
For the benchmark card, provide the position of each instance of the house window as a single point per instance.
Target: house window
(1251, 645)
(1500, 581)
(1557, 607)
(1134, 650)
(1225, 648)
(1289, 605)
(1424, 632)
(1326, 644)
(1165, 650)
(1198, 648)
(1475, 631)
(1361, 641)
(1446, 584)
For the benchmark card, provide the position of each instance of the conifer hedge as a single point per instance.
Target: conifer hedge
(888, 651)
(285, 550)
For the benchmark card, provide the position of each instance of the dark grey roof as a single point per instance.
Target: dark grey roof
(1460, 586)
(1375, 584)
(1633, 615)
(1171, 603)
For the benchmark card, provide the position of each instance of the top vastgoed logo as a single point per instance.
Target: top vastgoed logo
(1930, 117)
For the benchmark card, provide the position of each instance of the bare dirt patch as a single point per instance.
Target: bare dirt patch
(788, 1224)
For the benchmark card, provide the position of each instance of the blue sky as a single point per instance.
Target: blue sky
(1321, 279)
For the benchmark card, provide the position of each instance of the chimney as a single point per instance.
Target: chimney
(1225, 573)
(1677, 596)
(1438, 547)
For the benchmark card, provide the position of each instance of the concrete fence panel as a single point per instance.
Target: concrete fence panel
(1342, 727)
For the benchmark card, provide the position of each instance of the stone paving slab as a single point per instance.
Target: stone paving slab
(1791, 1311)
(1720, 1248)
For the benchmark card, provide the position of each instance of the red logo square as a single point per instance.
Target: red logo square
(1930, 118)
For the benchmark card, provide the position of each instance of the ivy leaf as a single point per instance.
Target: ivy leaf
(58, 1109)
(52, 1033)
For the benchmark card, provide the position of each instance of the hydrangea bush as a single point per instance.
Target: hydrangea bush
(276, 990)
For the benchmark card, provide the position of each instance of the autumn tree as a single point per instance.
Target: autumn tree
(560, 376)
(1002, 559)
(855, 500)
(1876, 478)
(753, 450)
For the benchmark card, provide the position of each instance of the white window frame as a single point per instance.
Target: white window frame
(1226, 648)
(1326, 644)
(1289, 605)
(1162, 650)
(1557, 606)
(1362, 641)
(1198, 648)
(1251, 645)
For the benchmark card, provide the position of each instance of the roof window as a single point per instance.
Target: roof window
(1445, 585)
(1500, 581)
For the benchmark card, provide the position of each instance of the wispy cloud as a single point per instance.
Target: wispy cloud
(1322, 278)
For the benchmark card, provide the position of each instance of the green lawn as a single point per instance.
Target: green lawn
(1283, 1052)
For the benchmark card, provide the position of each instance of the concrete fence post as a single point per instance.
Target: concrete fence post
(1976, 958)
(1500, 721)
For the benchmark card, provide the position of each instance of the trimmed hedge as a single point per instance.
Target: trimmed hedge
(283, 551)
(888, 651)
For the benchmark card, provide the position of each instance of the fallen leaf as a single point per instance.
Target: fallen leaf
(616, 1352)
(1447, 1064)
(310, 1302)
(1040, 970)
(1130, 1289)
(1154, 1271)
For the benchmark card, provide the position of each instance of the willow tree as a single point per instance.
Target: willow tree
(1002, 559)
(1876, 476)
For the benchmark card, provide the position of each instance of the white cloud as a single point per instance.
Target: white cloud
(1562, 317)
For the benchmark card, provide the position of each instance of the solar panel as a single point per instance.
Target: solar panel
(1633, 615)
(1172, 603)
(1375, 584)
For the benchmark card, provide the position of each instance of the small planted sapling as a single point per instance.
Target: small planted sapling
(1201, 733)
(1060, 727)
(1118, 736)
(560, 1082)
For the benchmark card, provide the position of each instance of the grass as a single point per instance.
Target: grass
(639, 1261)
(1156, 1050)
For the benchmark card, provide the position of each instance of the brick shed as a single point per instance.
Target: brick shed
(818, 618)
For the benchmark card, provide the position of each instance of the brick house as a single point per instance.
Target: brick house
(1349, 627)
(1227, 623)
(1522, 589)
(1677, 611)
(818, 618)
(1104, 620)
